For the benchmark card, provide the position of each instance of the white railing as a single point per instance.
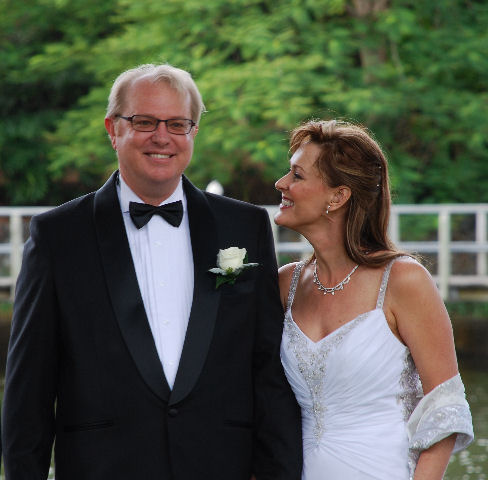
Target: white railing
(12, 249)
(14, 219)
(443, 246)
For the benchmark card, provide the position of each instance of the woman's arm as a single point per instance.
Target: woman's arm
(433, 462)
(415, 306)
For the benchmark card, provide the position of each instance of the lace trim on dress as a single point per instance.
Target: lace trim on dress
(440, 413)
(411, 387)
(294, 282)
(312, 364)
(384, 284)
(410, 395)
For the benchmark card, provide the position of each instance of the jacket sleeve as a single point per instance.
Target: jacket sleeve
(278, 438)
(31, 371)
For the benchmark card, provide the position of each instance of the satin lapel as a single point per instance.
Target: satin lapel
(124, 290)
(204, 241)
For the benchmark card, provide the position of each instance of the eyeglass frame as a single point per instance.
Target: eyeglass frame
(158, 121)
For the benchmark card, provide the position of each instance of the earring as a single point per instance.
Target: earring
(327, 211)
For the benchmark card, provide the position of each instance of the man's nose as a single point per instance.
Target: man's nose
(161, 133)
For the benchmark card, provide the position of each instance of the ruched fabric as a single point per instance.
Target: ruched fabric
(357, 389)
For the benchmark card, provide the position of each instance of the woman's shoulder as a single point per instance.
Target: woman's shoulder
(408, 268)
(287, 269)
(285, 274)
(409, 277)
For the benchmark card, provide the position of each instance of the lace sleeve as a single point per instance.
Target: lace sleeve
(440, 413)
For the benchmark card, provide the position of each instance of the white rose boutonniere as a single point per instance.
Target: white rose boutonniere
(230, 263)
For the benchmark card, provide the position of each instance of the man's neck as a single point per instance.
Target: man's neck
(152, 198)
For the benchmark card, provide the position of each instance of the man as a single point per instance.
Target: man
(122, 349)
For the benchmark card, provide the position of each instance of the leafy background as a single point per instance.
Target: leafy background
(414, 71)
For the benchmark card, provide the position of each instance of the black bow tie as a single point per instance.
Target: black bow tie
(141, 213)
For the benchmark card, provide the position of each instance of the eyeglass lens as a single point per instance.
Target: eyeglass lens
(179, 126)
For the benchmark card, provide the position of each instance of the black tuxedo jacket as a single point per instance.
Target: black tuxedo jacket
(83, 368)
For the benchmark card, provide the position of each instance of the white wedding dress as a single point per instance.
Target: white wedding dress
(357, 389)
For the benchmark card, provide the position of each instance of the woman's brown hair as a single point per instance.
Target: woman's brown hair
(351, 157)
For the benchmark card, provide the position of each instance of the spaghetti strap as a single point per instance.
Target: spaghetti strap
(384, 282)
(294, 282)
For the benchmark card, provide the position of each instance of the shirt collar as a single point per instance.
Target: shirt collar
(126, 195)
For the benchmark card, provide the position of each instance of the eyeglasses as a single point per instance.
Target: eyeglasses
(144, 123)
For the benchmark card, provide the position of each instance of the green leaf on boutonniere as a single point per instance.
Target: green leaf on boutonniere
(230, 274)
(221, 279)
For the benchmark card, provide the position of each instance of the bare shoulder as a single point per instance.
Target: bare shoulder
(409, 277)
(414, 299)
(287, 270)
(285, 274)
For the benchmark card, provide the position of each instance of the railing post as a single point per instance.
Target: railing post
(481, 240)
(307, 248)
(394, 226)
(444, 257)
(16, 242)
(274, 228)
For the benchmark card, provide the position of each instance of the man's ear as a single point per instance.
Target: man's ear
(110, 127)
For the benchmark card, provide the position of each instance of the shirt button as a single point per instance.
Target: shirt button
(158, 243)
(173, 412)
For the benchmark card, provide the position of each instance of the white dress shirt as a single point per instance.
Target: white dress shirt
(163, 260)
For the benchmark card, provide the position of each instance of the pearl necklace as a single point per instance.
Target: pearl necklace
(331, 290)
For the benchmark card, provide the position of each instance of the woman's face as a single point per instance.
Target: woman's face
(304, 194)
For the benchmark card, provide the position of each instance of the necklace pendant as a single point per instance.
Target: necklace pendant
(331, 290)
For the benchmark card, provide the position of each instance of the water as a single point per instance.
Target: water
(472, 463)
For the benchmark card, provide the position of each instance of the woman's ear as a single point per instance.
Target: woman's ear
(341, 196)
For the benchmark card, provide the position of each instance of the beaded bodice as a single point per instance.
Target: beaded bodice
(358, 380)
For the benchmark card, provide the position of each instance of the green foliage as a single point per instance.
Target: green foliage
(415, 73)
(468, 310)
(45, 47)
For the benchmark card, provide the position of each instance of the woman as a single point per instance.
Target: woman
(367, 345)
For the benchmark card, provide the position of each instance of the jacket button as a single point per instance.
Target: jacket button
(173, 412)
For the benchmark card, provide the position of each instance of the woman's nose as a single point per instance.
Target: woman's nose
(281, 183)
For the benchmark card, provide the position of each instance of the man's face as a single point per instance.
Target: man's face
(151, 163)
